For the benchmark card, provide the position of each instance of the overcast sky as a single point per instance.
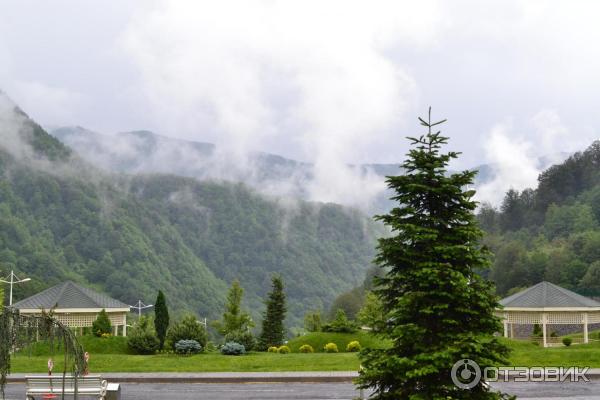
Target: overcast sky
(319, 81)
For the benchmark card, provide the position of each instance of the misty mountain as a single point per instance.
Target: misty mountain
(62, 218)
(147, 152)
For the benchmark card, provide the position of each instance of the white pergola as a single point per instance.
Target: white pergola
(548, 304)
(76, 306)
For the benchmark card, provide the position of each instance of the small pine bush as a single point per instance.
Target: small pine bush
(142, 339)
(187, 328)
(306, 348)
(353, 346)
(187, 347)
(330, 348)
(102, 324)
(272, 349)
(233, 349)
(283, 350)
(340, 324)
(567, 341)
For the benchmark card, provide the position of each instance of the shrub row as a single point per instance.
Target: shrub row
(353, 346)
(280, 349)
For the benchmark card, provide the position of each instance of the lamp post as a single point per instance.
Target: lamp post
(140, 306)
(12, 279)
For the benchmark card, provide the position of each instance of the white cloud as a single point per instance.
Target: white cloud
(316, 73)
(517, 160)
(53, 105)
(512, 161)
(327, 82)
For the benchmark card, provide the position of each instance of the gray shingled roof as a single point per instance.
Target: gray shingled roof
(547, 295)
(69, 295)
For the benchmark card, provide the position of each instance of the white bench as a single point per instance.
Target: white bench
(87, 386)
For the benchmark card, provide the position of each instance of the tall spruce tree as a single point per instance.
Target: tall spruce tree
(438, 310)
(272, 326)
(161, 318)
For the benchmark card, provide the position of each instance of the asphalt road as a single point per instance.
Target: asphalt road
(552, 390)
(317, 391)
(249, 391)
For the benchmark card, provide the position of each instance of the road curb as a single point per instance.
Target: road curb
(299, 379)
(216, 378)
(253, 377)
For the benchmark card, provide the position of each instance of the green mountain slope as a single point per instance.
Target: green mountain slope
(130, 236)
(319, 249)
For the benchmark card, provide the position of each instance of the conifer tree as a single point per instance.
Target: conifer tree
(272, 326)
(161, 318)
(234, 318)
(438, 309)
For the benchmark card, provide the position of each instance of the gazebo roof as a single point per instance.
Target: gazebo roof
(69, 295)
(547, 295)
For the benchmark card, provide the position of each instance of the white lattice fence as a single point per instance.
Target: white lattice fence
(523, 318)
(565, 318)
(552, 317)
(83, 320)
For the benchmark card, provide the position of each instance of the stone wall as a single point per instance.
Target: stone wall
(525, 331)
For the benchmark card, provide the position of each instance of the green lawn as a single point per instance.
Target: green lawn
(210, 362)
(581, 355)
(107, 356)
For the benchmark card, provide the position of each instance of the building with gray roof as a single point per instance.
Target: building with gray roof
(548, 304)
(76, 306)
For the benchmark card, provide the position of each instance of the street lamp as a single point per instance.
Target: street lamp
(140, 306)
(13, 279)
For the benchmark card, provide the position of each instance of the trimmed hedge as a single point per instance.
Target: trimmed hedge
(187, 347)
(283, 350)
(353, 346)
(233, 349)
(306, 348)
(330, 348)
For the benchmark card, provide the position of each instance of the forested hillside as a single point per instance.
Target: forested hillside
(552, 232)
(130, 236)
